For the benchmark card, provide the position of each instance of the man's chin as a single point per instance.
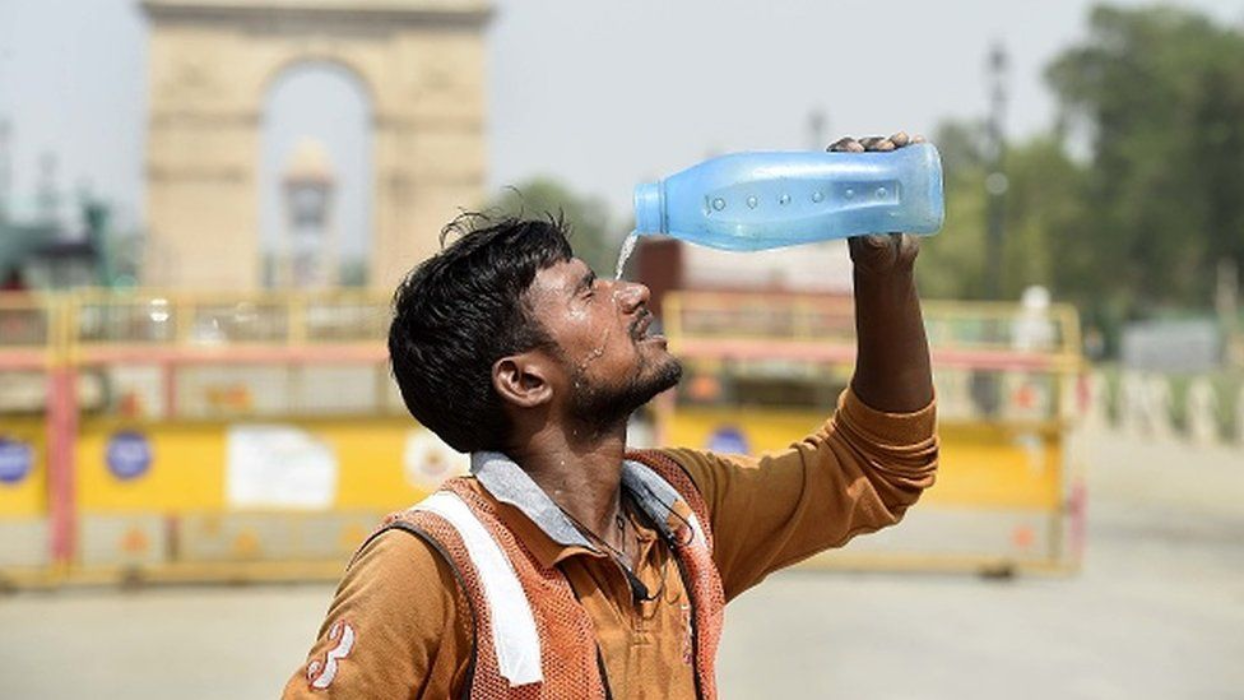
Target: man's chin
(672, 374)
(664, 375)
(620, 403)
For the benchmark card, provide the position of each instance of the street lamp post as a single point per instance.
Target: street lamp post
(996, 181)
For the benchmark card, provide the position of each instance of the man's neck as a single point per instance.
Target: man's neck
(579, 468)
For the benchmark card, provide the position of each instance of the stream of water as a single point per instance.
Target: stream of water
(628, 247)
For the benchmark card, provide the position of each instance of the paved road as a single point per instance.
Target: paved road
(1158, 612)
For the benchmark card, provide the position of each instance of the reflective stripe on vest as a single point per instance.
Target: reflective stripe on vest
(514, 637)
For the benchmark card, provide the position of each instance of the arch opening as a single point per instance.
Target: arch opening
(315, 179)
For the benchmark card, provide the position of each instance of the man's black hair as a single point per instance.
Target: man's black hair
(462, 310)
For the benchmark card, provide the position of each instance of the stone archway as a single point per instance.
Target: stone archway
(211, 65)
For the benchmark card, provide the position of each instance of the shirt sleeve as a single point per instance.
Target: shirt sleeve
(393, 629)
(858, 473)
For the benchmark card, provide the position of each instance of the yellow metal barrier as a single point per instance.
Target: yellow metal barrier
(188, 470)
(25, 495)
(28, 333)
(176, 436)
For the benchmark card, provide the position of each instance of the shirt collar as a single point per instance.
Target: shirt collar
(508, 483)
(505, 481)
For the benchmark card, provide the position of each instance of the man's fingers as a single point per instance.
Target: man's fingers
(877, 143)
(883, 240)
(846, 144)
(908, 247)
(871, 245)
(874, 143)
(884, 252)
(870, 142)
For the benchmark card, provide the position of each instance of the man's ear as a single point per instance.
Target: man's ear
(522, 380)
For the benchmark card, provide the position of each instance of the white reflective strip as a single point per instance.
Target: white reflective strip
(697, 529)
(514, 636)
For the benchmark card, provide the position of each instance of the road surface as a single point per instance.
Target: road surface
(1158, 612)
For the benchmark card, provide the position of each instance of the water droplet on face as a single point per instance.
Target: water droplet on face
(850, 194)
(752, 202)
(784, 199)
(881, 193)
(818, 196)
(719, 204)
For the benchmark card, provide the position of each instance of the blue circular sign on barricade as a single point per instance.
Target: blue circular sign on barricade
(129, 455)
(16, 460)
(728, 440)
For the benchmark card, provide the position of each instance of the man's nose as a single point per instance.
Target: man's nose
(631, 295)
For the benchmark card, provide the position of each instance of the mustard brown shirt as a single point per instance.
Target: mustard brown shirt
(411, 630)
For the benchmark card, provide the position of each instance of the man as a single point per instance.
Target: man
(566, 567)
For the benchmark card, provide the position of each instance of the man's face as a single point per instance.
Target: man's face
(612, 364)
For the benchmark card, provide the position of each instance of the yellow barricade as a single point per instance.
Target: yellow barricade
(166, 436)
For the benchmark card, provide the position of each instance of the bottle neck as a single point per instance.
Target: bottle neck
(650, 208)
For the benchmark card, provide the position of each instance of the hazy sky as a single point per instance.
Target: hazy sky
(601, 95)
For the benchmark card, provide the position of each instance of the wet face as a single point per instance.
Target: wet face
(611, 360)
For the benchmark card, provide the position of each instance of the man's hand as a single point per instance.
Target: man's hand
(881, 253)
(892, 371)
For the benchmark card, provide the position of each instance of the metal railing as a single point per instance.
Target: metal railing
(985, 335)
(199, 320)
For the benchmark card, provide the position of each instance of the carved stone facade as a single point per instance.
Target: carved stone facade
(212, 65)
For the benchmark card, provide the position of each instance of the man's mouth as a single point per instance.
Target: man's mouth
(639, 328)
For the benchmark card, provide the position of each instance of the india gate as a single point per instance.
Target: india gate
(212, 63)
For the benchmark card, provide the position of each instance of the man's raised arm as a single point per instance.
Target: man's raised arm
(864, 467)
(892, 371)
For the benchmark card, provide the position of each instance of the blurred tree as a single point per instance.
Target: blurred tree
(1161, 91)
(1143, 221)
(1045, 222)
(593, 239)
(1043, 215)
(952, 263)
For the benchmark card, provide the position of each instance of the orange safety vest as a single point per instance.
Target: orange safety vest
(532, 637)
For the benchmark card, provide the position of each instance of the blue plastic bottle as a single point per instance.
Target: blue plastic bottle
(753, 201)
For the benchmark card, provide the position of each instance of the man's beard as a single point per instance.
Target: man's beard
(603, 406)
